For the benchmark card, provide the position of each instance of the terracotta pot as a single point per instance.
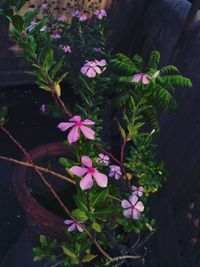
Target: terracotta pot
(40, 220)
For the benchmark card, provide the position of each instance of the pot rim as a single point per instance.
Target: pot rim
(35, 212)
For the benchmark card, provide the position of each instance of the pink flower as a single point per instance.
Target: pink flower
(75, 13)
(44, 5)
(56, 36)
(92, 68)
(43, 108)
(97, 49)
(103, 159)
(115, 171)
(83, 17)
(100, 14)
(72, 225)
(78, 126)
(132, 208)
(61, 18)
(90, 174)
(141, 77)
(137, 191)
(67, 49)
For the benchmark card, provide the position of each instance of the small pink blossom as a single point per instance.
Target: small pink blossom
(67, 49)
(72, 225)
(75, 13)
(89, 173)
(92, 68)
(137, 191)
(44, 5)
(141, 77)
(61, 18)
(103, 159)
(83, 17)
(97, 49)
(132, 208)
(78, 126)
(43, 108)
(100, 13)
(115, 171)
(55, 36)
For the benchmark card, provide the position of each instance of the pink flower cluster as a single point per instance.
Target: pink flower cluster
(89, 173)
(55, 36)
(78, 126)
(92, 68)
(67, 48)
(100, 14)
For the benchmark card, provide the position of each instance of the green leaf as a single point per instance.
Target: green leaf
(37, 258)
(48, 59)
(43, 241)
(79, 215)
(89, 258)
(64, 162)
(98, 197)
(62, 77)
(18, 22)
(29, 16)
(81, 202)
(105, 213)
(57, 67)
(20, 4)
(122, 131)
(96, 227)
(69, 253)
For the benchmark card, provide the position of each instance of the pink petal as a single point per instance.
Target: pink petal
(136, 214)
(125, 204)
(101, 179)
(84, 69)
(79, 171)
(102, 63)
(137, 78)
(86, 161)
(68, 222)
(91, 73)
(145, 80)
(79, 228)
(86, 182)
(139, 206)
(133, 199)
(88, 133)
(63, 126)
(73, 135)
(71, 228)
(97, 70)
(76, 118)
(88, 122)
(127, 213)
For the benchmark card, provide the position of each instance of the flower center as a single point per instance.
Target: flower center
(79, 123)
(91, 170)
(132, 207)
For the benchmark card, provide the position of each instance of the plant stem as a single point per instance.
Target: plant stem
(120, 258)
(58, 175)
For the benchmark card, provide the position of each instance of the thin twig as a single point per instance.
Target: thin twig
(42, 169)
(123, 258)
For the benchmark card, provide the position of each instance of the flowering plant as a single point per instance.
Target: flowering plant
(113, 180)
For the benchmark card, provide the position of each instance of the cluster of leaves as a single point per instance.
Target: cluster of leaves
(158, 94)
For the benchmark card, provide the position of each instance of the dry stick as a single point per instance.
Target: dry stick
(53, 192)
(123, 258)
(56, 174)
(23, 163)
